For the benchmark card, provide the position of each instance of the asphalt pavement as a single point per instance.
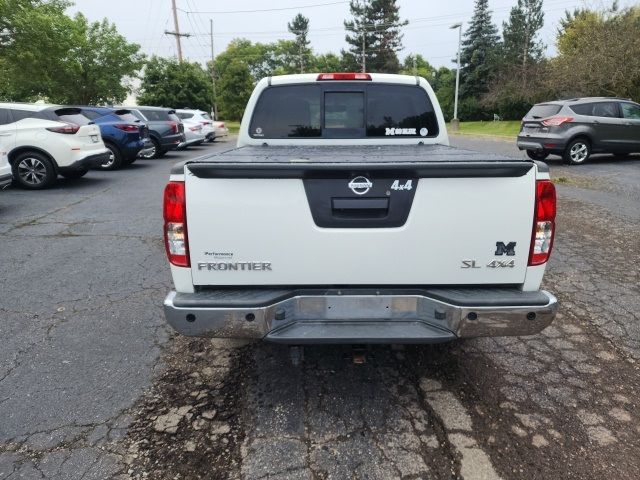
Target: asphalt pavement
(93, 384)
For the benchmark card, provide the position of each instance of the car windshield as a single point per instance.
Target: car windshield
(184, 115)
(543, 111)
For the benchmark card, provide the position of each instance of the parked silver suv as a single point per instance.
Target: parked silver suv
(576, 128)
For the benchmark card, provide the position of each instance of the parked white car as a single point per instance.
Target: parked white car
(202, 118)
(44, 141)
(220, 129)
(193, 133)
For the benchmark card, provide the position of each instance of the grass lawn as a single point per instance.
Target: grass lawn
(232, 126)
(508, 128)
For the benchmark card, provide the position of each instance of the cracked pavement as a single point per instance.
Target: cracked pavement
(94, 385)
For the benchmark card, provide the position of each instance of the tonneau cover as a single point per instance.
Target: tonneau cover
(347, 155)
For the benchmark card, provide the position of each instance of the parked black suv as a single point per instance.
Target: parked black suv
(166, 130)
(578, 127)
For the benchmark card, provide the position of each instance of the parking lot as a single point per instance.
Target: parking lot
(94, 385)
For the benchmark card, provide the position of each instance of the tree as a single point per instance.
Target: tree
(33, 40)
(235, 84)
(598, 54)
(521, 46)
(169, 83)
(328, 62)
(375, 27)
(299, 26)
(46, 54)
(422, 67)
(479, 49)
(97, 66)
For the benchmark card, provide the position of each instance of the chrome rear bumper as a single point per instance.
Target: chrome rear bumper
(298, 317)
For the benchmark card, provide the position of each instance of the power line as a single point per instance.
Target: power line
(224, 12)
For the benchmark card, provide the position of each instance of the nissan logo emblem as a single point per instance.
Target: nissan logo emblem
(360, 185)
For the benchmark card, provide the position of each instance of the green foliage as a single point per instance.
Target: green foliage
(422, 67)
(299, 26)
(328, 62)
(378, 23)
(97, 65)
(46, 54)
(235, 85)
(521, 45)
(169, 83)
(598, 54)
(444, 85)
(479, 54)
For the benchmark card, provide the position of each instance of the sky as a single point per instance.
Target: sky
(428, 33)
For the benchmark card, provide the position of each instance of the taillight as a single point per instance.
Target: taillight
(205, 123)
(175, 224)
(174, 127)
(343, 76)
(222, 125)
(128, 128)
(555, 121)
(544, 218)
(195, 129)
(68, 128)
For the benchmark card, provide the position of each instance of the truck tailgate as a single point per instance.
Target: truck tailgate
(392, 216)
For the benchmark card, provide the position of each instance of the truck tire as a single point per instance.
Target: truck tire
(577, 152)
(33, 171)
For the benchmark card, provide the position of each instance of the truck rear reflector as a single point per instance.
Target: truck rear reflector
(343, 76)
(175, 224)
(543, 223)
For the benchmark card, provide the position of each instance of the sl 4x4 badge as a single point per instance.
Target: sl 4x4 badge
(492, 264)
(502, 248)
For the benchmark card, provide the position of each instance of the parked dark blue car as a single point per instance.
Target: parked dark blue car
(122, 133)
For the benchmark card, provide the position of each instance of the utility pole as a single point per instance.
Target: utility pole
(213, 74)
(455, 122)
(176, 33)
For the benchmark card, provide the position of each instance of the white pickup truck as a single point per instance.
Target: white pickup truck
(343, 216)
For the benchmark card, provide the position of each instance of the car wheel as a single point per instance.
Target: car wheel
(537, 154)
(34, 171)
(129, 161)
(577, 152)
(160, 153)
(74, 173)
(115, 158)
(153, 151)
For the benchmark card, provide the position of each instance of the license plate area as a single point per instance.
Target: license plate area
(94, 138)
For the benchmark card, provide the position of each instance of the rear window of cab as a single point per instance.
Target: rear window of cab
(343, 110)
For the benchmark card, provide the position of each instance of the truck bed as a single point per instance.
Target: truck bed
(383, 157)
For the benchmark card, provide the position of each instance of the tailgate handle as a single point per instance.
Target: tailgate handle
(368, 204)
